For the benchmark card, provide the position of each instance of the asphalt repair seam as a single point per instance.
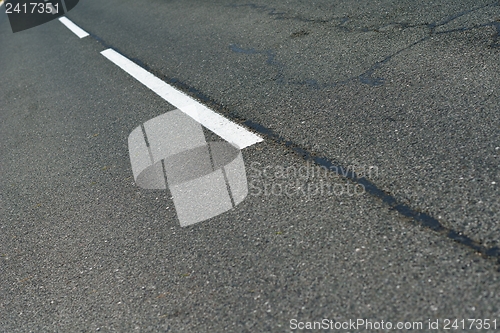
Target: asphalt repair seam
(419, 218)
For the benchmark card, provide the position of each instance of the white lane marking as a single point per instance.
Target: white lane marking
(221, 126)
(73, 27)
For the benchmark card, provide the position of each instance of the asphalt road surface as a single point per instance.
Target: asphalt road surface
(406, 93)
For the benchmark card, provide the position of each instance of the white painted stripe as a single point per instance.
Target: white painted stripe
(73, 27)
(221, 126)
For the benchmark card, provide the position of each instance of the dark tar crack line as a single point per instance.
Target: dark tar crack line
(422, 219)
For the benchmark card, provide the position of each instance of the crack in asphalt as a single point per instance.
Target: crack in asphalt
(420, 218)
(367, 77)
(271, 11)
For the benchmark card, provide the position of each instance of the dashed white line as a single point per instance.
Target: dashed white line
(73, 27)
(226, 129)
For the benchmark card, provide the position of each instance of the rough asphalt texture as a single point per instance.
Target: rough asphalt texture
(411, 89)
